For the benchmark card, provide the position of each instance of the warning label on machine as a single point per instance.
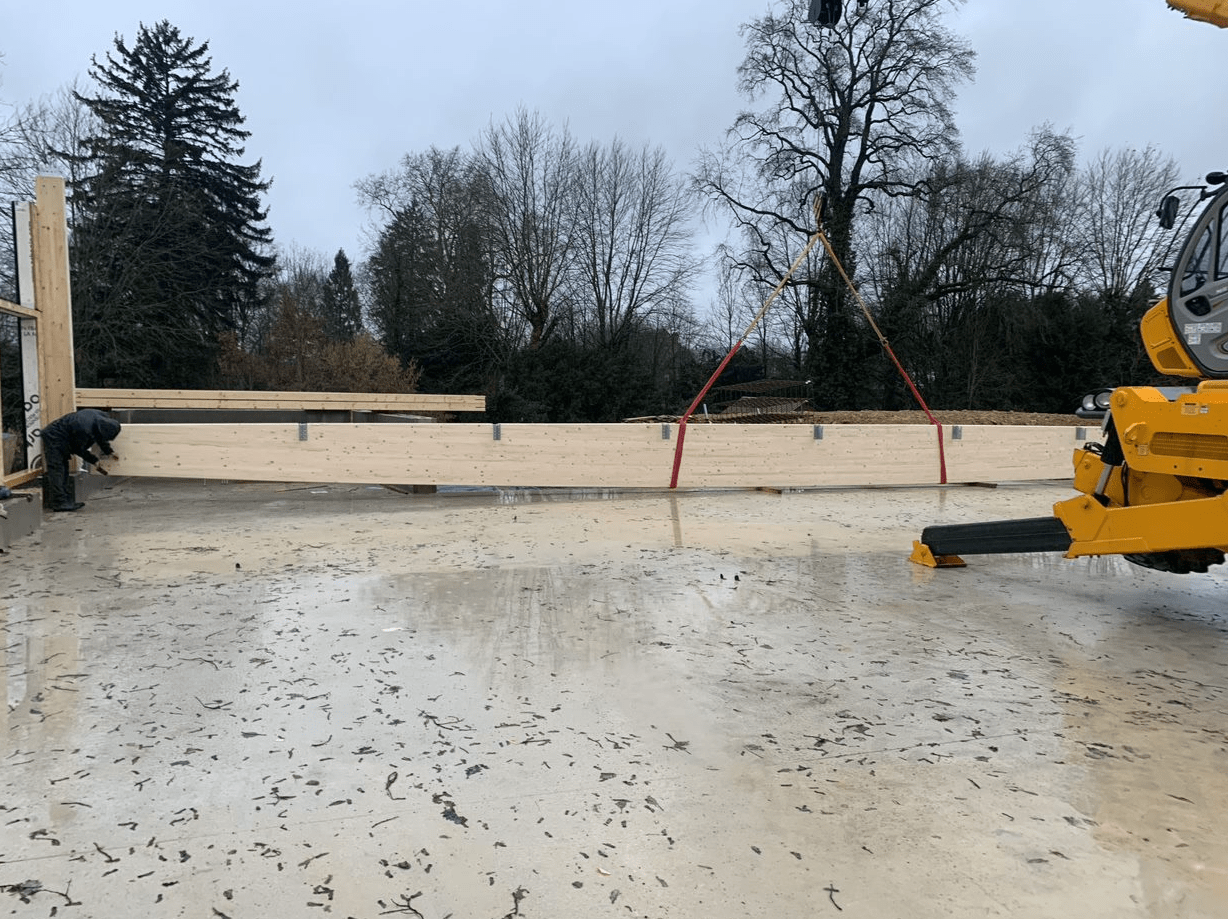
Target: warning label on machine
(1194, 331)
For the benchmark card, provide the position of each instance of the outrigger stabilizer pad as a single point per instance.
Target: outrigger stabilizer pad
(942, 546)
(922, 555)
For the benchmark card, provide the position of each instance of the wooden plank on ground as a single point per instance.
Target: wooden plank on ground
(306, 401)
(592, 455)
(23, 477)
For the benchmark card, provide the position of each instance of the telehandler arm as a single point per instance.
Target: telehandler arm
(1212, 11)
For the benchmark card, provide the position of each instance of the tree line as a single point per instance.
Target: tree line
(561, 278)
(553, 277)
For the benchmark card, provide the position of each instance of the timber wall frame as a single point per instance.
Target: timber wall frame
(535, 455)
(44, 314)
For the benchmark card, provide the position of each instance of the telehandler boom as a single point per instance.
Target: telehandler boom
(1212, 11)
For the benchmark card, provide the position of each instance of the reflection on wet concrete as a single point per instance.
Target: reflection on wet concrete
(257, 700)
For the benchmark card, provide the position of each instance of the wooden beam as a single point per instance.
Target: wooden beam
(53, 298)
(594, 455)
(21, 478)
(245, 399)
(16, 309)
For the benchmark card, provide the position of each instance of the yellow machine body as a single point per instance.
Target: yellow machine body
(1169, 493)
(1156, 489)
(1155, 492)
(1164, 346)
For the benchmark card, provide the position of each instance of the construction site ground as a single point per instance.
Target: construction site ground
(244, 700)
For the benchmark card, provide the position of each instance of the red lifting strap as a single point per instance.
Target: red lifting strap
(818, 235)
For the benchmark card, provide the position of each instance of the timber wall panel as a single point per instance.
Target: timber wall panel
(992, 453)
(593, 455)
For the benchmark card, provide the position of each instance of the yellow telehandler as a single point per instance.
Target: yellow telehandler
(1155, 490)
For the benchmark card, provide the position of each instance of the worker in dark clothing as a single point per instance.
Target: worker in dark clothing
(73, 435)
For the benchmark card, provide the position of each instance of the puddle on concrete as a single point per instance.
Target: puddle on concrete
(256, 701)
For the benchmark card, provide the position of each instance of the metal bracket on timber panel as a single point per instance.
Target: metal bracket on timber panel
(305, 401)
(592, 455)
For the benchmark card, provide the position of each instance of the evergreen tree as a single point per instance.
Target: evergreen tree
(339, 303)
(170, 244)
(401, 272)
(432, 276)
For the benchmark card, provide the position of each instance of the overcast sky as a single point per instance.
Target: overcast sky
(335, 91)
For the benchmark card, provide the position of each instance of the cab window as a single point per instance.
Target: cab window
(1221, 270)
(1198, 268)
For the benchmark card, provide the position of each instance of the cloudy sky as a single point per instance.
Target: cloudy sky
(336, 91)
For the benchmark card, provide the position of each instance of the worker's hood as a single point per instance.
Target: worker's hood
(106, 429)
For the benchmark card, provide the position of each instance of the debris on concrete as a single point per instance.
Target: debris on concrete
(238, 700)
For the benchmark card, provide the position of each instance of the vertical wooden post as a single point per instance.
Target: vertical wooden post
(28, 332)
(53, 299)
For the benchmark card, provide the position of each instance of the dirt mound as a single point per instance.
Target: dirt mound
(949, 417)
(875, 417)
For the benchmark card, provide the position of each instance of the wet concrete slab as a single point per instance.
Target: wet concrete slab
(252, 700)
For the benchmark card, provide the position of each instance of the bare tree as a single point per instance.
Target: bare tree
(299, 354)
(729, 314)
(299, 275)
(32, 139)
(632, 235)
(979, 223)
(981, 231)
(847, 113)
(445, 187)
(1116, 226)
(775, 339)
(530, 170)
